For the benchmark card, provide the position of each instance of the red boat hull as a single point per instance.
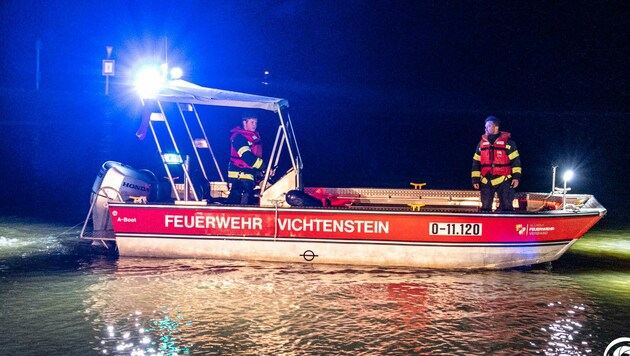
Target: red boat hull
(386, 238)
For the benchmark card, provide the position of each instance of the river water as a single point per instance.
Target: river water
(58, 297)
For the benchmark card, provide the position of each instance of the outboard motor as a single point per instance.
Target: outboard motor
(119, 182)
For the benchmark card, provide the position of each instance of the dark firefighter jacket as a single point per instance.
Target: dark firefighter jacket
(496, 160)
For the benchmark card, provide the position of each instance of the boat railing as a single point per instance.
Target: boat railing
(101, 227)
(381, 197)
(444, 200)
(566, 202)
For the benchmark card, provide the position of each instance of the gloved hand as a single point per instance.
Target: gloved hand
(259, 174)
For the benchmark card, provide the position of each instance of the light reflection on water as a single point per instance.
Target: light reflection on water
(270, 308)
(610, 243)
(58, 300)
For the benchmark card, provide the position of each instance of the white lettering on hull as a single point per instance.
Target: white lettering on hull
(286, 224)
(213, 222)
(327, 225)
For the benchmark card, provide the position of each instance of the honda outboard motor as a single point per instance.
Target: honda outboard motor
(119, 182)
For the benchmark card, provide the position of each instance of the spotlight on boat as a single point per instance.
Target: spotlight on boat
(148, 81)
(568, 175)
(176, 73)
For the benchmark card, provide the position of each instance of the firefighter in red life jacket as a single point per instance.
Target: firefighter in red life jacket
(496, 167)
(245, 160)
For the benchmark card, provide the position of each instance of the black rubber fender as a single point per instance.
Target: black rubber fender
(299, 198)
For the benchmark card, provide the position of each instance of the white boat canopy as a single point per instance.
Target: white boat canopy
(181, 91)
(186, 96)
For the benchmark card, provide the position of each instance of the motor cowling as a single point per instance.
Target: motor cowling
(119, 182)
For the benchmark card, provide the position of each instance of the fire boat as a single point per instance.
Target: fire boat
(414, 227)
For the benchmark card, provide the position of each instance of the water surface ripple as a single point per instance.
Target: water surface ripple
(58, 299)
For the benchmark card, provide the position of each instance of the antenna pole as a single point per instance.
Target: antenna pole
(553, 179)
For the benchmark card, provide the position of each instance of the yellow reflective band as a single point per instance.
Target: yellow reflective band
(484, 180)
(507, 147)
(476, 157)
(243, 150)
(513, 155)
(475, 174)
(499, 180)
(240, 175)
(516, 170)
(258, 163)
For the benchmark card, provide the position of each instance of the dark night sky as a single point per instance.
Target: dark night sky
(405, 77)
(520, 55)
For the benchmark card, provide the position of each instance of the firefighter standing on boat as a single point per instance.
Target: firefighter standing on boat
(245, 160)
(496, 167)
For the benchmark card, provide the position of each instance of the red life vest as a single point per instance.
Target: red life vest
(494, 158)
(253, 138)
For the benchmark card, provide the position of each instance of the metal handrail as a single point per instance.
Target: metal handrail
(102, 192)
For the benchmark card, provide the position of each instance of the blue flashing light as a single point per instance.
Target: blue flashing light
(148, 82)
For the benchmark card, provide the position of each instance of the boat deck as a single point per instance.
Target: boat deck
(383, 199)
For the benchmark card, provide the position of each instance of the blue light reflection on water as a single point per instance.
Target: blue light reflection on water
(57, 298)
